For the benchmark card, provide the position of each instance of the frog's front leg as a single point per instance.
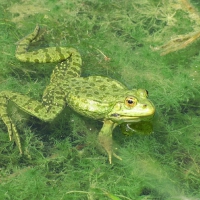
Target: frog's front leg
(105, 138)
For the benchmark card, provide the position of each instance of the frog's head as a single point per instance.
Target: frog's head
(134, 107)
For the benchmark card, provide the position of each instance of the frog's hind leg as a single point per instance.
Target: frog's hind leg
(24, 43)
(29, 106)
(34, 107)
(45, 55)
(12, 131)
(70, 68)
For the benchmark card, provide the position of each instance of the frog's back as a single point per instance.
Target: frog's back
(99, 88)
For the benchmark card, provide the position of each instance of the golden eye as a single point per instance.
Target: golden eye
(130, 102)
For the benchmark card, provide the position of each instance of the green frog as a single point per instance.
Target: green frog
(96, 97)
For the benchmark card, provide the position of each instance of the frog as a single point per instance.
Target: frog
(98, 97)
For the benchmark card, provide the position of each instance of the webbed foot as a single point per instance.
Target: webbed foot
(12, 130)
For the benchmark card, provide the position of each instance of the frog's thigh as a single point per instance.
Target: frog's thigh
(33, 107)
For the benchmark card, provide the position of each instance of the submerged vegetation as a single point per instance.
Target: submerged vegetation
(122, 40)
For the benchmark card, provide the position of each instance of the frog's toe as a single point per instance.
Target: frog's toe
(116, 156)
(110, 156)
(16, 138)
(110, 159)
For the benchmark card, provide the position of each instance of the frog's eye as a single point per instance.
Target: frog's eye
(130, 102)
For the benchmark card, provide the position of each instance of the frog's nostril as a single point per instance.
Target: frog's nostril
(144, 105)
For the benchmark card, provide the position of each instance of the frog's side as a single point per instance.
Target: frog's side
(96, 97)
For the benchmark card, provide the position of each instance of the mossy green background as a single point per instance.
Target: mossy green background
(63, 159)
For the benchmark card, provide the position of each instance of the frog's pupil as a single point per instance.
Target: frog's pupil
(130, 101)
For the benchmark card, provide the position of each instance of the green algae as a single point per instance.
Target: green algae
(117, 39)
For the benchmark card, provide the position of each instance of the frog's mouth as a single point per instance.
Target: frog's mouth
(123, 118)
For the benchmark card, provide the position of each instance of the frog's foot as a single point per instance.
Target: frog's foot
(12, 130)
(16, 138)
(110, 156)
(105, 139)
(13, 135)
(106, 143)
